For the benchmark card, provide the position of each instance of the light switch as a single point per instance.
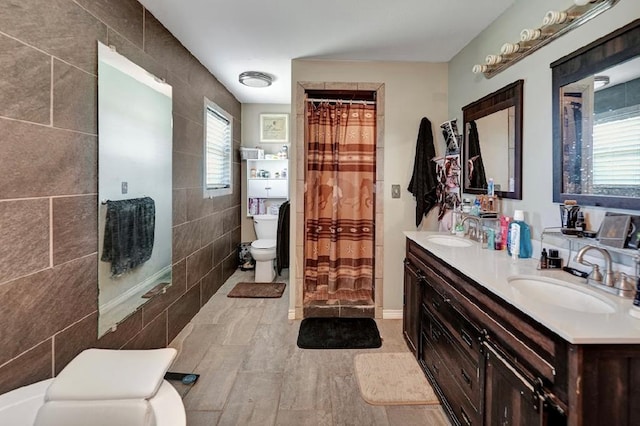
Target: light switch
(395, 191)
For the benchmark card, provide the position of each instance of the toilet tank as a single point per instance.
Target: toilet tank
(266, 226)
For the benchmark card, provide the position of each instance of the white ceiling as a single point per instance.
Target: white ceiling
(233, 36)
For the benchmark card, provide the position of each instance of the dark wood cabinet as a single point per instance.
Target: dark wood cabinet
(411, 306)
(510, 399)
(491, 364)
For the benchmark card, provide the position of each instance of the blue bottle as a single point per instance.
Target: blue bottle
(522, 237)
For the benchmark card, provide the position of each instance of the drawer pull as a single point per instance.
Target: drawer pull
(435, 369)
(467, 339)
(435, 334)
(436, 304)
(466, 418)
(466, 377)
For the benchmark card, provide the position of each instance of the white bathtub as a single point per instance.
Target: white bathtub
(19, 407)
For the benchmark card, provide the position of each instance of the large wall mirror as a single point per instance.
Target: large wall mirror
(596, 122)
(493, 142)
(134, 187)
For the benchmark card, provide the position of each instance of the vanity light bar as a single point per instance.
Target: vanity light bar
(554, 24)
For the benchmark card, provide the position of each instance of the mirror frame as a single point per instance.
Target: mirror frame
(614, 48)
(509, 96)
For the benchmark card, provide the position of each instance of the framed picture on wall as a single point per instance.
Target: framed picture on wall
(274, 127)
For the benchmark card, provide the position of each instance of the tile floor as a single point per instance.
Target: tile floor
(252, 372)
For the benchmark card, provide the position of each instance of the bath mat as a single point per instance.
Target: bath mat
(257, 290)
(339, 333)
(392, 379)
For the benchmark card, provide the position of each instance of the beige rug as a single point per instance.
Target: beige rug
(392, 379)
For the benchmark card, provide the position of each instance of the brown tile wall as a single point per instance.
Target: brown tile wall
(48, 185)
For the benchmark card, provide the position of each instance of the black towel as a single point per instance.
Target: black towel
(128, 233)
(424, 180)
(475, 167)
(282, 238)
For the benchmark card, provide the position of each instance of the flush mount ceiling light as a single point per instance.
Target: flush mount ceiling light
(255, 79)
(600, 81)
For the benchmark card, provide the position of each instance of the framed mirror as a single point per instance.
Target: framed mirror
(596, 122)
(493, 142)
(134, 187)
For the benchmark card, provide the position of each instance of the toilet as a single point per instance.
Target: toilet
(263, 249)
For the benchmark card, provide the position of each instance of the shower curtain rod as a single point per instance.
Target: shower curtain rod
(342, 100)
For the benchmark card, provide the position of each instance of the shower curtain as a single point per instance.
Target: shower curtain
(339, 197)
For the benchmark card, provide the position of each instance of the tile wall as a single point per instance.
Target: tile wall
(48, 183)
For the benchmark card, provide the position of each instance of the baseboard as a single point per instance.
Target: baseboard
(392, 314)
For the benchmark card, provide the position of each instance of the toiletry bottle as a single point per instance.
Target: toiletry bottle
(504, 231)
(490, 188)
(513, 248)
(520, 235)
(491, 239)
(475, 209)
(544, 259)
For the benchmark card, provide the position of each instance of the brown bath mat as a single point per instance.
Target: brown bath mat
(257, 290)
(392, 379)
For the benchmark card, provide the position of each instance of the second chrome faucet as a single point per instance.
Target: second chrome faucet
(620, 284)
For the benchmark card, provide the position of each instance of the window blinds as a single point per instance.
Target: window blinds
(616, 150)
(218, 151)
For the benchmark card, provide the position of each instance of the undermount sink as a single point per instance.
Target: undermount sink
(560, 294)
(449, 241)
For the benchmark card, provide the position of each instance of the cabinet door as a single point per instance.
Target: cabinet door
(411, 307)
(257, 188)
(509, 397)
(278, 188)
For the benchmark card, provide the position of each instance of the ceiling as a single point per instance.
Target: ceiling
(232, 36)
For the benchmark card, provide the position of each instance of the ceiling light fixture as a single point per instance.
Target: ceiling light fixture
(600, 81)
(255, 79)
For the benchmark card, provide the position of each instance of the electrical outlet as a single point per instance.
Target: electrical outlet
(395, 191)
(125, 187)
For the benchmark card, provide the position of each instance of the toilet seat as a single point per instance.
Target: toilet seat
(264, 244)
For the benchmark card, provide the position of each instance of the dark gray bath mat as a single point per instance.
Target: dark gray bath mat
(339, 333)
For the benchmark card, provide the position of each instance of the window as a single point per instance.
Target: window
(616, 149)
(218, 151)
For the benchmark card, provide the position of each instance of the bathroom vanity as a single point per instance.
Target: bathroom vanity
(504, 343)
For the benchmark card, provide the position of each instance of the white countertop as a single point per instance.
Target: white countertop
(492, 269)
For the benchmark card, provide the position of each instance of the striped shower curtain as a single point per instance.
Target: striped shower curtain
(339, 197)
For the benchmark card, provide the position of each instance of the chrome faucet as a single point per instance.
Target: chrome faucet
(596, 275)
(475, 233)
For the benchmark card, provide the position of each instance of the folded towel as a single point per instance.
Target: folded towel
(128, 233)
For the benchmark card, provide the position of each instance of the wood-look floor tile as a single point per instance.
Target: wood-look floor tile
(218, 370)
(203, 418)
(270, 348)
(193, 346)
(253, 400)
(348, 407)
(304, 418)
(306, 383)
(252, 371)
(400, 415)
